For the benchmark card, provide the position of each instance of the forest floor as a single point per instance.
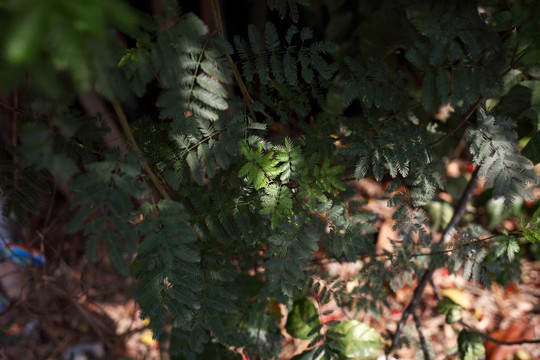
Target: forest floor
(71, 306)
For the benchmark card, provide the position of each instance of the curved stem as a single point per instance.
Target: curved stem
(237, 77)
(453, 131)
(421, 335)
(131, 140)
(497, 341)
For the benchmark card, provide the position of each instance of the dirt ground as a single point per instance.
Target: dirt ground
(88, 306)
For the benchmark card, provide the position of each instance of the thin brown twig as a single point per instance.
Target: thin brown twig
(450, 133)
(465, 119)
(99, 328)
(514, 63)
(421, 336)
(10, 108)
(236, 73)
(14, 117)
(131, 140)
(49, 210)
(497, 341)
(165, 340)
(457, 246)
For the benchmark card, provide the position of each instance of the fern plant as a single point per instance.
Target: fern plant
(243, 151)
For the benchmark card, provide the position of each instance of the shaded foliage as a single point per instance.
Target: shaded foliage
(253, 159)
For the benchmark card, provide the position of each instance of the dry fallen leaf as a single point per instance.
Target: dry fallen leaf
(517, 331)
(444, 113)
(457, 296)
(146, 338)
(386, 235)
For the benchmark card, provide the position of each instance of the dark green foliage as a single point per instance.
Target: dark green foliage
(302, 319)
(21, 188)
(287, 74)
(104, 197)
(46, 151)
(375, 86)
(70, 39)
(281, 7)
(168, 264)
(256, 149)
(291, 246)
(450, 309)
(462, 42)
(532, 150)
(470, 345)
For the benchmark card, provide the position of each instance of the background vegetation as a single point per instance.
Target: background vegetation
(212, 152)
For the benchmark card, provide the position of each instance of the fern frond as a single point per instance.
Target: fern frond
(382, 89)
(20, 195)
(167, 259)
(493, 144)
(291, 247)
(104, 194)
(281, 7)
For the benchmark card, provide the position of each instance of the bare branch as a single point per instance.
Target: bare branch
(497, 341)
(459, 211)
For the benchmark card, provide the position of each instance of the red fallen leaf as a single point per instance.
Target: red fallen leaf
(122, 352)
(470, 168)
(517, 331)
(329, 318)
(512, 288)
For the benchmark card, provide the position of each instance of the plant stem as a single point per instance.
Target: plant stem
(455, 247)
(452, 132)
(421, 335)
(237, 77)
(447, 234)
(496, 341)
(131, 140)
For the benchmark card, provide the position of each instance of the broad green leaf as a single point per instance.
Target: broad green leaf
(497, 212)
(317, 353)
(450, 309)
(440, 214)
(356, 340)
(470, 345)
(535, 94)
(25, 37)
(298, 322)
(533, 234)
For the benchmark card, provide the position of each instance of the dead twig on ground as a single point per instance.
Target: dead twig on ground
(421, 336)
